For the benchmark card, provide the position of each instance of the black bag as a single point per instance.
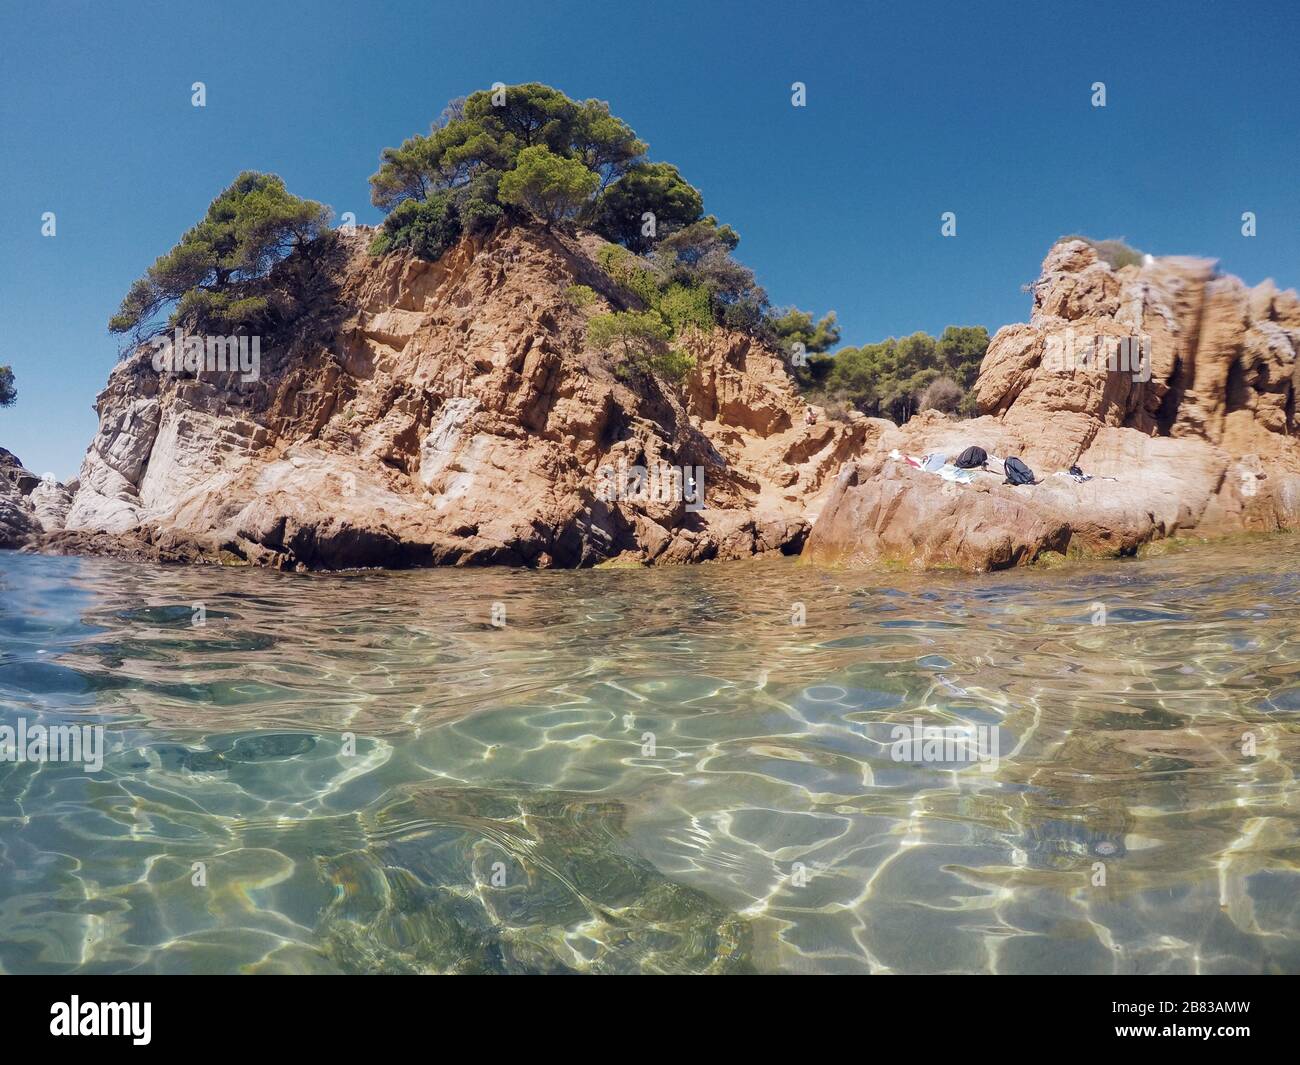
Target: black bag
(1017, 472)
(971, 458)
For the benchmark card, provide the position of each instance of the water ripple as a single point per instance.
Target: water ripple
(670, 770)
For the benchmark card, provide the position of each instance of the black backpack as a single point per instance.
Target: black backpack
(971, 458)
(1017, 472)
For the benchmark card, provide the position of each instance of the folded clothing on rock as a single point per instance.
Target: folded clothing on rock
(935, 464)
(953, 473)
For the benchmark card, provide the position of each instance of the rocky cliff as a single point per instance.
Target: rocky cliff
(29, 505)
(453, 413)
(1172, 385)
(456, 415)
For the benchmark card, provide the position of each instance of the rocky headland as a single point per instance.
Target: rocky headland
(453, 412)
(456, 416)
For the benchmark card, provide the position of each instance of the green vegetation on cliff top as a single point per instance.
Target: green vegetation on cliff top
(529, 151)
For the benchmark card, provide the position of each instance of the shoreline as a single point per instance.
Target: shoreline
(1049, 562)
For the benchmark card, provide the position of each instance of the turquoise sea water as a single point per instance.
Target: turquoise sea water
(655, 770)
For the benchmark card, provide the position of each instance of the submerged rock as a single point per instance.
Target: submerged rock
(499, 881)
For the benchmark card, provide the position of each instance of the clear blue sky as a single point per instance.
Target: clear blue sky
(913, 109)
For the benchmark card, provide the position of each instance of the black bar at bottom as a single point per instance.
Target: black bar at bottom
(227, 1015)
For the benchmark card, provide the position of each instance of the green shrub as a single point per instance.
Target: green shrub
(625, 270)
(673, 365)
(611, 258)
(222, 312)
(684, 306)
(480, 215)
(628, 333)
(426, 227)
(643, 339)
(640, 341)
(580, 295)
(1112, 251)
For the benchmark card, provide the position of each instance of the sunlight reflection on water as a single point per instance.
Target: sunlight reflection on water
(654, 770)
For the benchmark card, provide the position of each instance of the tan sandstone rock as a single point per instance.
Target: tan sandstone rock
(455, 414)
(1205, 443)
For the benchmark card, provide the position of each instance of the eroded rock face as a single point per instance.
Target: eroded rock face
(1173, 386)
(29, 505)
(456, 416)
(1222, 357)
